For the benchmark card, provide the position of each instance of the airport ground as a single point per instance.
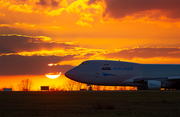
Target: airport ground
(90, 104)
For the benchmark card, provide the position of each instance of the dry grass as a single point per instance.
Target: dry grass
(89, 104)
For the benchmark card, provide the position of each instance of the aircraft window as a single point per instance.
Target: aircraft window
(84, 63)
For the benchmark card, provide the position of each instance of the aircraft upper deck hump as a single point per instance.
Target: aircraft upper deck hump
(107, 62)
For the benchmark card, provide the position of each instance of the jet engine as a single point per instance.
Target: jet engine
(153, 85)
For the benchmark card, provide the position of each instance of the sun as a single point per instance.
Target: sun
(53, 75)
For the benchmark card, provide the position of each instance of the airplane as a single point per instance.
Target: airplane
(121, 73)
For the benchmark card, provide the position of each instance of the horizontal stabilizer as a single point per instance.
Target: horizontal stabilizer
(173, 78)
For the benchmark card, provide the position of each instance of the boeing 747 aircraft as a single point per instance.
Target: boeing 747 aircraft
(119, 73)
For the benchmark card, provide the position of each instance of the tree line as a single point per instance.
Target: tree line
(69, 85)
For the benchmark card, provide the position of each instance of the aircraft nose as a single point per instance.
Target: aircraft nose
(69, 74)
(72, 74)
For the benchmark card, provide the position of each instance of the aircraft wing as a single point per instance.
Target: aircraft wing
(156, 83)
(142, 80)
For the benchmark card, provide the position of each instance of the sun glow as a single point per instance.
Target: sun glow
(52, 64)
(53, 75)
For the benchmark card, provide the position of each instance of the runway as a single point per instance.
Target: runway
(131, 91)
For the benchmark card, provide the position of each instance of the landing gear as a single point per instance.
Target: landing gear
(90, 88)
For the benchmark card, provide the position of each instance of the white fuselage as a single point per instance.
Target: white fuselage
(117, 73)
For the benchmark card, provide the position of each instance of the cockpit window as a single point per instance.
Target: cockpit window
(84, 63)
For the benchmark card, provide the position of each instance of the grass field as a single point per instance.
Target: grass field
(90, 104)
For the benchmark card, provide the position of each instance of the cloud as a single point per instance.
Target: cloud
(77, 6)
(22, 43)
(81, 23)
(24, 25)
(21, 8)
(145, 53)
(53, 3)
(42, 46)
(2, 14)
(48, 7)
(31, 65)
(87, 17)
(93, 1)
(53, 7)
(141, 8)
(9, 43)
(55, 12)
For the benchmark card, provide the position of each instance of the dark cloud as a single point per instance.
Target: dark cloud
(31, 65)
(122, 8)
(89, 55)
(13, 44)
(146, 53)
(9, 43)
(93, 2)
(53, 3)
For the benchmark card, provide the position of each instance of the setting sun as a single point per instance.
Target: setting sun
(53, 75)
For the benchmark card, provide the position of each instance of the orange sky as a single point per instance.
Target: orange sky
(34, 33)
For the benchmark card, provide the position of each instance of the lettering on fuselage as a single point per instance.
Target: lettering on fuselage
(117, 68)
(106, 68)
(123, 68)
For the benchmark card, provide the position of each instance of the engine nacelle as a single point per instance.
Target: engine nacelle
(153, 85)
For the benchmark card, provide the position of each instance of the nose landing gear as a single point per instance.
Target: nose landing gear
(90, 88)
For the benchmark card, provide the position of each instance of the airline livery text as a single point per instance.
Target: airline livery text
(117, 68)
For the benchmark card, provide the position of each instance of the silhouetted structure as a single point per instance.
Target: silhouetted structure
(7, 89)
(44, 88)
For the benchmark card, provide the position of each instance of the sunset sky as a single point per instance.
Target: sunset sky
(35, 33)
